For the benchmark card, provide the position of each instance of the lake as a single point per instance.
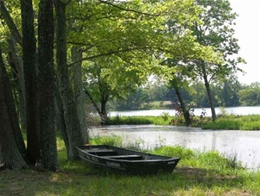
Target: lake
(197, 111)
(242, 146)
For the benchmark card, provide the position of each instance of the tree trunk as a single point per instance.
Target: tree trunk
(60, 121)
(48, 148)
(13, 117)
(16, 63)
(104, 99)
(185, 111)
(211, 102)
(76, 55)
(31, 82)
(9, 151)
(69, 106)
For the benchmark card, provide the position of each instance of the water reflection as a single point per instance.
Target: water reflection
(240, 145)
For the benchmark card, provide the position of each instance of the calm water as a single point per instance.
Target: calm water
(197, 111)
(240, 145)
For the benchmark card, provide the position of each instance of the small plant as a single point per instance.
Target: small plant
(165, 116)
(223, 111)
(160, 142)
(113, 140)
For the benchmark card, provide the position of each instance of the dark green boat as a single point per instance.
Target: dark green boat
(127, 161)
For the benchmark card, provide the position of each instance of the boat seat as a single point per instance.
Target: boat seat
(125, 157)
(102, 152)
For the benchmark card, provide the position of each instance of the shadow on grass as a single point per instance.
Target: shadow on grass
(85, 180)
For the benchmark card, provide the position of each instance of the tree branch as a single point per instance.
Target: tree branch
(128, 10)
(104, 54)
(10, 23)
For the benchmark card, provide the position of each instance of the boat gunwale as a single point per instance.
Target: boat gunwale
(162, 160)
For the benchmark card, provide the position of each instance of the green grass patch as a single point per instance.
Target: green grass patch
(164, 119)
(231, 122)
(127, 120)
(113, 140)
(222, 124)
(196, 174)
(226, 122)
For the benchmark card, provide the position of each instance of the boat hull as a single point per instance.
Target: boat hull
(127, 161)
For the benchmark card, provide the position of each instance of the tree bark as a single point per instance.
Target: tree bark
(48, 147)
(60, 121)
(185, 111)
(76, 54)
(16, 64)
(31, 82)
(9, 142)
(211, 102)
(13, 117)
(69, 106)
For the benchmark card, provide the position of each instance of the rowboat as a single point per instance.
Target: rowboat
(125, 160)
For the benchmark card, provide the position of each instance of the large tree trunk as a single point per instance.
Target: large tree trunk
(76, 55)
(31, 82)
(48, 148)
(9, 150)
(64, 86)
(16, 64)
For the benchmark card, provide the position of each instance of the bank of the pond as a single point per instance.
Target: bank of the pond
(241, 110)
(227, 122)
(241, 146)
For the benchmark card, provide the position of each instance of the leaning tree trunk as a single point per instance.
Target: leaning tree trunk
(69, 106)
(31, 82)
(60, 121)
(211, 102)
(16, 63)
(10, 23)
(76, 55)
(11, 108)
(186, 113)
(48, 147)
(9, 151)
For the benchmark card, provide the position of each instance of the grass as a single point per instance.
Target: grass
(224, 122)
(196, 174)
(232, 122)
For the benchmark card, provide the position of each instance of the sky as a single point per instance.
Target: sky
(247, 30)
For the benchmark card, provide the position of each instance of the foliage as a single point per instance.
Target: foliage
(123, 44)
(217, 30)
(250, 95)
(228, 94)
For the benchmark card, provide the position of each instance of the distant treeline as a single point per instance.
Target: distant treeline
(228, 94)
